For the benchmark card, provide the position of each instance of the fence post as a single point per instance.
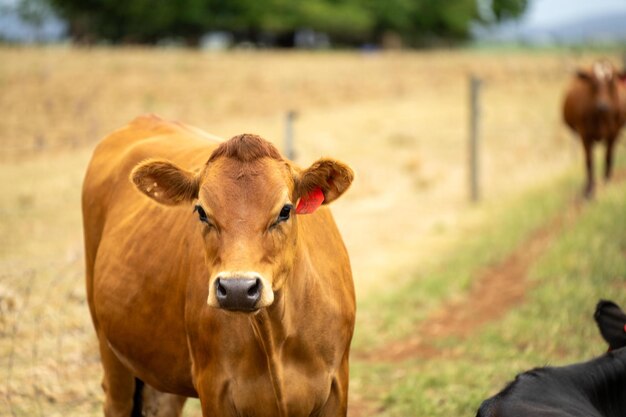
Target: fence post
(474, 138)
(289, 139)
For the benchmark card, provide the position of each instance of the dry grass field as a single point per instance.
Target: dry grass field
(399, 119)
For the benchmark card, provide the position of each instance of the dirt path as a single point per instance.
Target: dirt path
(495, 291)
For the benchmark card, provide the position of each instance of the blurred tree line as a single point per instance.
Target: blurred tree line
(346, 22)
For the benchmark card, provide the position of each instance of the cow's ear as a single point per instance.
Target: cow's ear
(164, 182)
(583, 74)
(329, 176)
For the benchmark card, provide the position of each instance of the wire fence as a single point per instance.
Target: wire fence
(49, 362)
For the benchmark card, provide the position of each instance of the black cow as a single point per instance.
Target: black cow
(590, 389)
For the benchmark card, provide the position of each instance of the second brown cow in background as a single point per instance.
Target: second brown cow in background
(595, 108)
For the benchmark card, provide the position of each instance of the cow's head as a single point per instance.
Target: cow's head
(245, 201)
(603, 80)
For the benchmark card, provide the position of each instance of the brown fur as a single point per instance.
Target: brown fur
(151, 270)
(595, 108)
(246, 148)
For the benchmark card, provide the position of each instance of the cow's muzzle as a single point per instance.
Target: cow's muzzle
(239, 294)
(603, 106)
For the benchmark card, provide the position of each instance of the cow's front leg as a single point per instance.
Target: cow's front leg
(589, 186)
(118, 383)
(608, 162)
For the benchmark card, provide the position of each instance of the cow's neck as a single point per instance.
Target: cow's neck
(274, 324)
(269, 331)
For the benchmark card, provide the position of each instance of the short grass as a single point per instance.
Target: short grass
(554, 325)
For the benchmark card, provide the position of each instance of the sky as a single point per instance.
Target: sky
(553, 12)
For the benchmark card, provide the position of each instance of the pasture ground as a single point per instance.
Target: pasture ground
(419, 250)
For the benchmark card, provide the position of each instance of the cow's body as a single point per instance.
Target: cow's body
(595, 108)
(591, 389)
(148, 284)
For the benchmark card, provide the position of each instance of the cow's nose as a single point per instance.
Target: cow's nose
(603, 107)
(241, 294)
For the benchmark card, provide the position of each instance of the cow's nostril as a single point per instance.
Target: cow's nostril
(603, 107)
(221, 289)
(253, 291)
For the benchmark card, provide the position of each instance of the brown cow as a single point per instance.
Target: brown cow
(203, 282)
(595, 108)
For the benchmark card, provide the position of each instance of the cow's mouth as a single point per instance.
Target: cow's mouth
(251, 311)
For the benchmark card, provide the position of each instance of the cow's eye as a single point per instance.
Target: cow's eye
(201, 214)
(285, 212)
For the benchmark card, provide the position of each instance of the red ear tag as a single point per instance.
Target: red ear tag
(310, 202)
